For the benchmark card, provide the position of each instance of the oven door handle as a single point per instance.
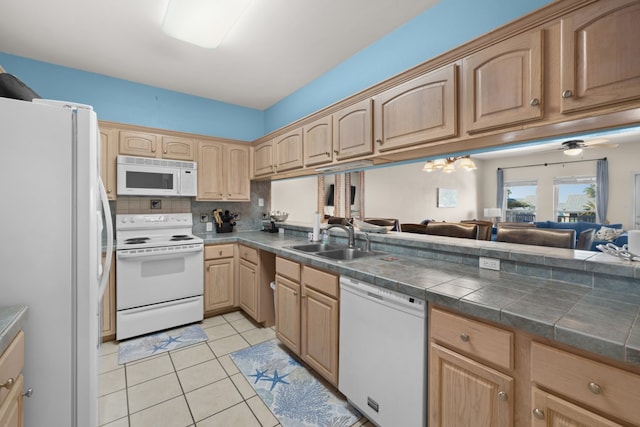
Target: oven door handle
(172, 254)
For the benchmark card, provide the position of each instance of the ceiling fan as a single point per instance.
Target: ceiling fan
(574, 147)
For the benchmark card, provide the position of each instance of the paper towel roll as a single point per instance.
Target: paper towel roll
(316, 227)
(634, 241)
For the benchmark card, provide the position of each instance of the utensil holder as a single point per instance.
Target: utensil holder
(225, 227)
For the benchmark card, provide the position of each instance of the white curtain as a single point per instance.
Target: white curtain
(602, 190)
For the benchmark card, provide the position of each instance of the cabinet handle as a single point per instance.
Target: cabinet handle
(379, 141)
(595, 388)
(7, 384)
(327, 153)
(295, 294)
(28, 393)
(109, 190)
(538, 413)
(153, 147)
(336, 151)
(464, 337)
(165, 151)
(503, 396)
(534, 102)
(220, 253)
(567, 94)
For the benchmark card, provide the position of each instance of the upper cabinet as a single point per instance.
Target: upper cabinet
(503, 83)
(600, 59)
(223, 171)
(263, 161)
(423, 109)
(108, 154)
(352, 130)
(288, 149)
(144, 144)
(317, 139)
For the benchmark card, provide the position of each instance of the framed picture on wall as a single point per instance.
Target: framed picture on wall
(447, 198)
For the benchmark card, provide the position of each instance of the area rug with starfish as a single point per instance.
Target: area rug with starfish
(159, 342)
(294, 394)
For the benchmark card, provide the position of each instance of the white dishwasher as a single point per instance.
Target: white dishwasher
(383, 366)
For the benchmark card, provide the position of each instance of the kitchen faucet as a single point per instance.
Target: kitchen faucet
(350, 232)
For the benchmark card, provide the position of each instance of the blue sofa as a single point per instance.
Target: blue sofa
(580, 226)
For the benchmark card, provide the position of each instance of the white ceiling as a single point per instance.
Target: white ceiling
(277, 47)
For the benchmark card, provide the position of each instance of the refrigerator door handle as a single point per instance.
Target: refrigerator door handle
(104, 278)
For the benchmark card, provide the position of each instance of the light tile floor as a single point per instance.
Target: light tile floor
(194, 386)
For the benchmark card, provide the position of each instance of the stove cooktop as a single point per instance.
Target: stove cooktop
(148, 231)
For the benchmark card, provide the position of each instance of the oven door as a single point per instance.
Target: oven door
(154, 275)
(145, 180)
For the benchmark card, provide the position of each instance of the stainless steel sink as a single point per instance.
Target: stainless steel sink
(317, 247)
(347, 254)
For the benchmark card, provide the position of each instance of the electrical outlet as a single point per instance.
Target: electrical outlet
(260, 201)
(490, 263)
(209, 226)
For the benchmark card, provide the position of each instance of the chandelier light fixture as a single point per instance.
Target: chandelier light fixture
(204, 23)
(448, 164)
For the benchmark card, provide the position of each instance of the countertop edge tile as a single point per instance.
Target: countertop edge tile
(12, 320)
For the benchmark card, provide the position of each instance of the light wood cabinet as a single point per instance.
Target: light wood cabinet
(288, 150)
(552, 411)
(256, 270)
(503, 83)
(108, 159)
(464, 388)
(263, 159)
(219, 267)
(108, 313)
(307, 315)
(422, 110)
(223, 171)
(317, 140)
(12, 383)
(352, 130)
(145, 144)
(600, 55)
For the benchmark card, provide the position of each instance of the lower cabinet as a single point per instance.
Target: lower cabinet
(307, 315)
(12, 383)
(109, 304)
(255, 273)
(219, 267)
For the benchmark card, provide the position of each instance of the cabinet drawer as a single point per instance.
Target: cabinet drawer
(477, 339)
(218, 251)
(287, 268)
(11, 363)
(592, 383)
(249, 254)
(321, 281)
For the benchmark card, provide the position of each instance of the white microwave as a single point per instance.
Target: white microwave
(144, 176)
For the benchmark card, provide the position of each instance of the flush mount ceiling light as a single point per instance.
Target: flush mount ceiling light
(204, 23)
(446, 165)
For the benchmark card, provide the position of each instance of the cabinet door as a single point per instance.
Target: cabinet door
(288, 313)
(218, 284)
(352, 130)
(109, 302)
(108, 159)
(263, 163)
(317, 139)
(551, 411)
(320, 333)
(248, 284)
(177, 148)
(237, 172)
(12, 410)
(210, 171)
(600, 60)
(132, 143)
(421, 110)
(503, 83)
(463, 392)
(289, 150)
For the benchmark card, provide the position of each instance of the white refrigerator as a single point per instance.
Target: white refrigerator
(51, 216)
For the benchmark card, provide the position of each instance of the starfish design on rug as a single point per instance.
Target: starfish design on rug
(275, 379)
(158, 347)
(260, 374)
(172, 339)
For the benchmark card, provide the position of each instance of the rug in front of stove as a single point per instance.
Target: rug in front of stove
(295, 395)
(159, 342)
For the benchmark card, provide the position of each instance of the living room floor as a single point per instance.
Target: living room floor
(197, 385)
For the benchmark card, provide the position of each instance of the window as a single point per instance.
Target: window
(575, 198)
(520, 201)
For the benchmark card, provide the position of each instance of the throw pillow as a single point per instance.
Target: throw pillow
(607, 233)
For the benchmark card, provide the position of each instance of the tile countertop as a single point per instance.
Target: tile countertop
(588, 300)
(12, 319)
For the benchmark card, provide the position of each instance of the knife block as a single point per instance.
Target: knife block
(225, 227)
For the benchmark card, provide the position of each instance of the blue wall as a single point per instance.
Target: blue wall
(446, 25)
